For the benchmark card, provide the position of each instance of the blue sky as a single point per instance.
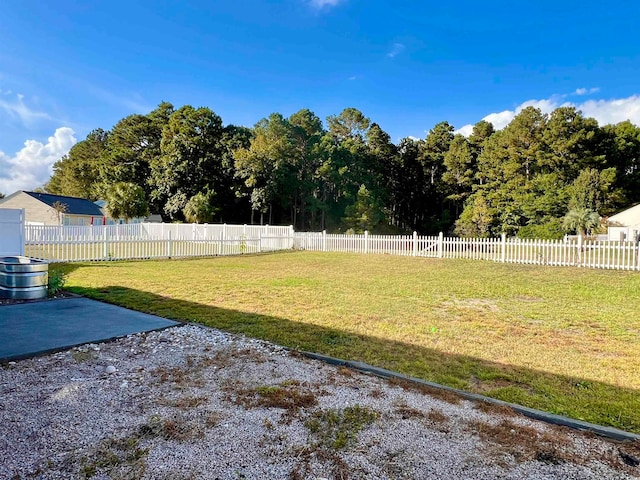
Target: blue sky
(68, 67)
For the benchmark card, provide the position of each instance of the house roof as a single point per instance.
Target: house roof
(75, 206)
(628, 218)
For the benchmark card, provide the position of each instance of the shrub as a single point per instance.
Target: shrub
(57, 280)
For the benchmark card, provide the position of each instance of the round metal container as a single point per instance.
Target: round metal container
(23, 278)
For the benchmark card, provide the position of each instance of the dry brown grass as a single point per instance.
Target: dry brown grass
(290, 398)
(406, 412)
(526, 443)
(438, 393)
(330, 459)
(120, 459)
(175, 427)
(376, 393)
(493, 409)
(436, 416)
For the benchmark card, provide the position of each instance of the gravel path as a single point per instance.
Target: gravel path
(194, 403)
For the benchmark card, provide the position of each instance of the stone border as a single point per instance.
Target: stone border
(608, 432)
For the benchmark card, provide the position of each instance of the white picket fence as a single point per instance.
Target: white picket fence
(589, 253)
(156, 240)
(151, 240)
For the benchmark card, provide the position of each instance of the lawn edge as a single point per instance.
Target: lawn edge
(603, 431)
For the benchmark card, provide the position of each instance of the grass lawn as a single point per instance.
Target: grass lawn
(564, 340)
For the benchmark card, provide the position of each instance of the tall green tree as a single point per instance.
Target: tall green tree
(480, 133)
(621, 145)
(524, 141)
(568, 144)
(349, 124)
(77, 173)
(595, 190)
(459, 171)
(233, 202)
(436, 145)
(365, 214)
(267, 167)
(190, 161)
(306, 135)
(133, 145)
(126, 200)
(408, 203)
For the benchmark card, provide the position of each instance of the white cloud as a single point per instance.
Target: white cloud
(31, 167)
(16, 108)
(324, 3)
(604, 111)
(466, 131)
(500, 119)
(613, 111)
(352, 77)
(396, 50)
(586, 91)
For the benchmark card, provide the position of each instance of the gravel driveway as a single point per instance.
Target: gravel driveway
(194, 403)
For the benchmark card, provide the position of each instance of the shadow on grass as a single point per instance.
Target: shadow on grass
(578, 398)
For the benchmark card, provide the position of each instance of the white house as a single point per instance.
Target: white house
(47, 209)
(625, 225)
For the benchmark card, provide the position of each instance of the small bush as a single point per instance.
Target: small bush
(57, 281)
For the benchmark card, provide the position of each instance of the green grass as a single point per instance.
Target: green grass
(139, 249)
(564, 340)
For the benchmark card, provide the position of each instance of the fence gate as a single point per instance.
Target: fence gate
(11, 232)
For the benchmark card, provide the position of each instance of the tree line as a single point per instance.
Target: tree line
(347, 175)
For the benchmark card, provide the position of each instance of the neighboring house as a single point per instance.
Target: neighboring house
(47, 209)
(624, 225)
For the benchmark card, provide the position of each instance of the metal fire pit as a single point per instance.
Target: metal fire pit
(23, 278)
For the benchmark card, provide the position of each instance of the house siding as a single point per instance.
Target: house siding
(35, 210)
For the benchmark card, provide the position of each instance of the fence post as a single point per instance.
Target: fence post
(259, 242)
(415, 243)
(503, 248)
(579, 262)
(440, 244)
(292, 233)
(105, 248)
(23, 232)
(637, 255)
(169, 246)
(366, 241)
(324, 240)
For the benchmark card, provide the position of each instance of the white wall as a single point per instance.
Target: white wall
(11, 232)
(627, 234)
